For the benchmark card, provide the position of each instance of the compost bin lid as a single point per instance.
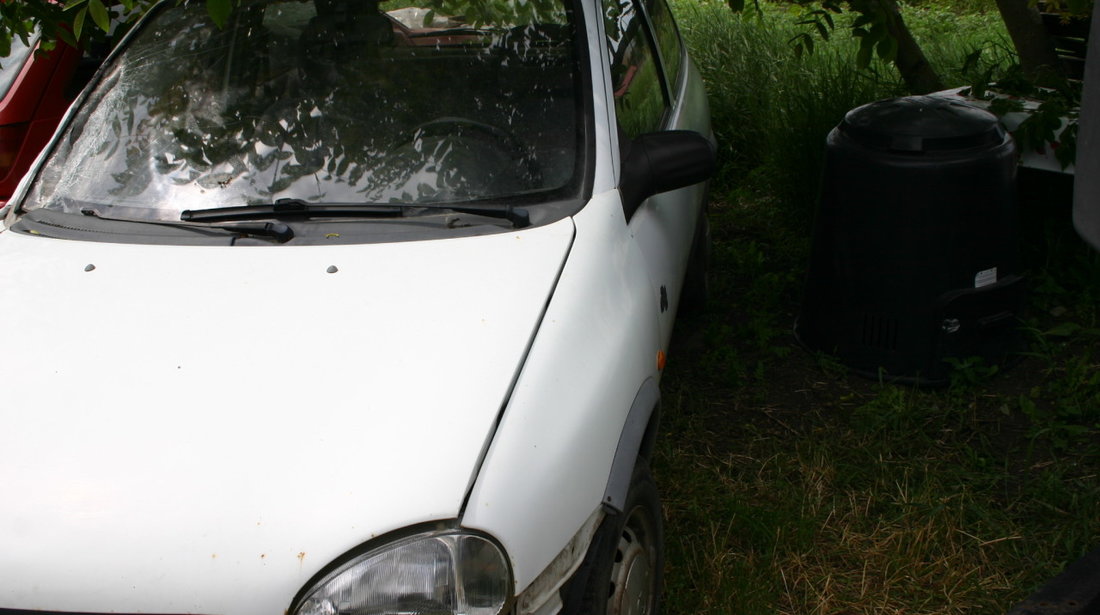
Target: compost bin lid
(922, 124)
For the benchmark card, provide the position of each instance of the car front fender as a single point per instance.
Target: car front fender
(549, 466)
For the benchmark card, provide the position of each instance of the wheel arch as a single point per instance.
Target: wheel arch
(636, 440)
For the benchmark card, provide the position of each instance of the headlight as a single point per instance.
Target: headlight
(445, 573)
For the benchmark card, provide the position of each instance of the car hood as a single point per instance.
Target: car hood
(201, 430)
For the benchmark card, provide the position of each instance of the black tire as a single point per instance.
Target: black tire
(627, 555)
(696, 289)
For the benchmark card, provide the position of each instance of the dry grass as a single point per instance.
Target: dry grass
(793, 488)
(790, 525)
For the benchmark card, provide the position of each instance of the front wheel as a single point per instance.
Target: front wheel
(628, 555)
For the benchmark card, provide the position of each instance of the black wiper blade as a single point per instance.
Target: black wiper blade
(275, 230)
(297, 208)
(291, 208)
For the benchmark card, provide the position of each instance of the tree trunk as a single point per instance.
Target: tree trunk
(1038, 59)
(918, 74)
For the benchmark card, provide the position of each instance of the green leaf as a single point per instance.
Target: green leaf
(429, 17)
(796, 42)
(1001, 106)
(866, 49)
(972, 60)
(78, 22)
(861, 21)
(887, 49)
(67, 37)
(878, 31)
(99, 14)
(219, 11)
(1065, 329)
(73, 6)
(1066, 153)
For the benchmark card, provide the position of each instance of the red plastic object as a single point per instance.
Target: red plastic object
(31, 110)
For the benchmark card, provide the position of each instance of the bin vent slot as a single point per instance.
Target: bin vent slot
(880, 332)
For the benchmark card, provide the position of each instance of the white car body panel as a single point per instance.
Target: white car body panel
(597, 344)
(606, 163)
(166, 488)
(661, 226)
(596, 348)
(164, 485)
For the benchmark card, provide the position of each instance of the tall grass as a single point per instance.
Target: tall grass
(772, 110)
(948, 37)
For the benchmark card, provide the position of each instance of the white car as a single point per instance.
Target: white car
(322, 312)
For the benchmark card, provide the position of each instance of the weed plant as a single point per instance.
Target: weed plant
(792, 487)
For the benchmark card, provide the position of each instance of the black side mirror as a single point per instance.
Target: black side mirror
(657, 162)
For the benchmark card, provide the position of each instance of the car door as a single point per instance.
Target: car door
(655, 89)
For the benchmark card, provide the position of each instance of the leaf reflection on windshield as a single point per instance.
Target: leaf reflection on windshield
(276, 106)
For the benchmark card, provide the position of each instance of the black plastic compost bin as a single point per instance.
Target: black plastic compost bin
(915, 256)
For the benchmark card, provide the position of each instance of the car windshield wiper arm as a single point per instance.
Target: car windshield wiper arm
(291, 208)
(275, 230)
(297, 208)
(518, 216)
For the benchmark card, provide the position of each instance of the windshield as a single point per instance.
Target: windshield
(12, 64)
(327, 101)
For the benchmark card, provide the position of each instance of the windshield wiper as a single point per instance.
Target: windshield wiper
(291, 208)
(518, 216)
(297, 208)
(275, 230)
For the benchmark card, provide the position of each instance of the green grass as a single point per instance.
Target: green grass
(768, 106)
(765, 104)
(793, 487)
